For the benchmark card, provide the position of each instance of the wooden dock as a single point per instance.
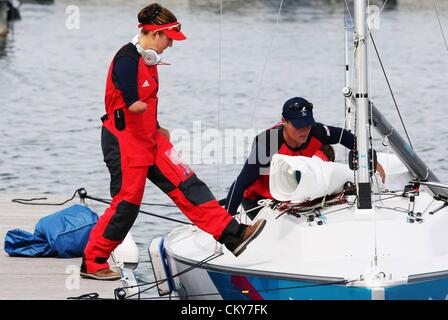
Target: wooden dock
(41, 278)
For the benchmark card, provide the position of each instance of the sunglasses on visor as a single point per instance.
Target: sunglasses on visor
(299, 106)
(176, 27)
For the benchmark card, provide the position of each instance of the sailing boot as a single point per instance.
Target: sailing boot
(103, 274)
(236, 239)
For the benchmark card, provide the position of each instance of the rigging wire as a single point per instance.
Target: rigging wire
(340, 209)
(347, 98)
(429, 205)
(336, 156)
(29, 201)
(347, 115)
(144, 203)
(341, 282)
(83, 195)
(229, 201)
(370, 139)
(349, 14)
(265, 63)
(156, 283)
(95, 296)
(144, 212)
(355, 49)
(391, 197)
(219, 93)
(159, 204)
(399, 209)
(390, 90)
(382, 8)
(440, 23)
(120, 294)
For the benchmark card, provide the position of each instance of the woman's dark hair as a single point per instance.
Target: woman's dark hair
(155, 14)
(328, 151)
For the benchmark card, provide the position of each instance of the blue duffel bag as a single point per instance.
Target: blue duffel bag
(62, 234)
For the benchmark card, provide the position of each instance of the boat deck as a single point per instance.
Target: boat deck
(41, 278)
(348, 241)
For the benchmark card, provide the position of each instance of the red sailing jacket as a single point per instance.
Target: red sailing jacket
(137, 140)
(260, 188)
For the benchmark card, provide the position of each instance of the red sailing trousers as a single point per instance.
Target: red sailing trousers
(172, 176)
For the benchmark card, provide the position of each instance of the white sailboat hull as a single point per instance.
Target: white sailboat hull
(332, 261)
(215, 284)
(344, 253)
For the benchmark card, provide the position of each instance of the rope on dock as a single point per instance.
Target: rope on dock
(82, 193)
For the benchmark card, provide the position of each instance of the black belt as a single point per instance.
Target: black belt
(120, 123)
(105, 117)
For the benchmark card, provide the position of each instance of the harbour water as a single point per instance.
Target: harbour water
(233, 72)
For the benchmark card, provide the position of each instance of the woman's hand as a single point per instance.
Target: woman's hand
(138, 107)
(164, 132)
(380, 170)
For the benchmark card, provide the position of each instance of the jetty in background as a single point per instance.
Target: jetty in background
(4, 8)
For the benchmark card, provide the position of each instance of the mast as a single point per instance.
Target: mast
(362, 106)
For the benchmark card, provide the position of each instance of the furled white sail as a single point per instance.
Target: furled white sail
(299, 179)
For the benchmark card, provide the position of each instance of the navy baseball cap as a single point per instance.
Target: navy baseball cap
(299, 111)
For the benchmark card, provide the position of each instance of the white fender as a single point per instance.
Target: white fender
(159, 266)
(317, 178)
(127, 253)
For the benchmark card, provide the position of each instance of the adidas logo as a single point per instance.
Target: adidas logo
(145, 84)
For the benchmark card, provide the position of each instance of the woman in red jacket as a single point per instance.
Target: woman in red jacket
(135, 148)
